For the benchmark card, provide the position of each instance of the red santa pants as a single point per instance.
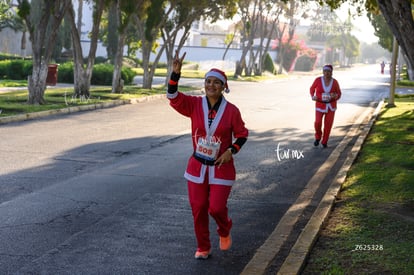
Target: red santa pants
(328, 119)
(208, 199)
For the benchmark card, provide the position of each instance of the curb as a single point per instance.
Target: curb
(295, 261)
(89, 107)
(266, 253)
(75, 109)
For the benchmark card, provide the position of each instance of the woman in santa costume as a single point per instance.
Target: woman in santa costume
(325, 91)
(218, 132)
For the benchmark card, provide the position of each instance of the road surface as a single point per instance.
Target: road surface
(103, 192)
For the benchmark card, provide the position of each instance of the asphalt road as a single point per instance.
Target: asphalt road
(103, 192)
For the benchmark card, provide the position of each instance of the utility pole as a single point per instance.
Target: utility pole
(393, 68)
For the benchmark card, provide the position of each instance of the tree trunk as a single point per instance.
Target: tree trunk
(81, 83)
(117, 82)
(81, 75)
(114, 14)
(52, 13)
(410, 70)
(280, 52)
(146, 52)
(393, 67)
(169, 39)
(281, 55)
(250, 64)
(266, 48)
(241, 64)
(37, 83)
(23, 44)
(80, 15)
(398, 15)
(149, 71)
(230, 43)
(169, 43)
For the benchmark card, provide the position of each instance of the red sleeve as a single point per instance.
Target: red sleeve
(312, 89)
(336, 89)
(239, 129)
(184, 104)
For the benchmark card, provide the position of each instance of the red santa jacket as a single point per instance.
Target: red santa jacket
(319, 88)
(227, 125)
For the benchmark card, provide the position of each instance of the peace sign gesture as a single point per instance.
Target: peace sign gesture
(177, 62)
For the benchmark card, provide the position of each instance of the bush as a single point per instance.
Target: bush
(99, 60)
(3, 70)
(16, 69)
(4, 56)
(65, 73)
(269, 65)
(127, 74)
(20, 69)
(305, 63)
(101, 75)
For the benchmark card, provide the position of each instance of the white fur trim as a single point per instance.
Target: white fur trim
(217, 75)
(172, 96)
(197, 179)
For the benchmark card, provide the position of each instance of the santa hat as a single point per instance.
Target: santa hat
(220, 75)
(328, 67)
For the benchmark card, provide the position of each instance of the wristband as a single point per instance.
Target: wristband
(233, 149)
(175, 77)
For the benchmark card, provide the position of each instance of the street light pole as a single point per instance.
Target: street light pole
(393, 68)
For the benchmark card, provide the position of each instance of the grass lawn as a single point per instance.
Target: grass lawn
(14, 102)
(371, 229)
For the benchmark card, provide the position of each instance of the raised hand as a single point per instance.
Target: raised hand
(177, 62)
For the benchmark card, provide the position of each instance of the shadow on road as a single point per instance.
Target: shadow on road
(109, 201)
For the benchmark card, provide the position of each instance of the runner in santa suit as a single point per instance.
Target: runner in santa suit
(325, 91)
(210, 172)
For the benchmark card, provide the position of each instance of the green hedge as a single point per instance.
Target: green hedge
(269, 65)
(305, 63)
(5, 56)
(16, 69)
(101, 75)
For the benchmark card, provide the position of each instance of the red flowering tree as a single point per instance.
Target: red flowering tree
(306, 58)
(296, 55)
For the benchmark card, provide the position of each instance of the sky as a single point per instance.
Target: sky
(363, 30)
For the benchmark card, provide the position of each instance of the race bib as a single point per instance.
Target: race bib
(208, 149)
(326, 97)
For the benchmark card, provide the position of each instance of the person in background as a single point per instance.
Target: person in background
(218, 132)
(382, 67)
(325, 91)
